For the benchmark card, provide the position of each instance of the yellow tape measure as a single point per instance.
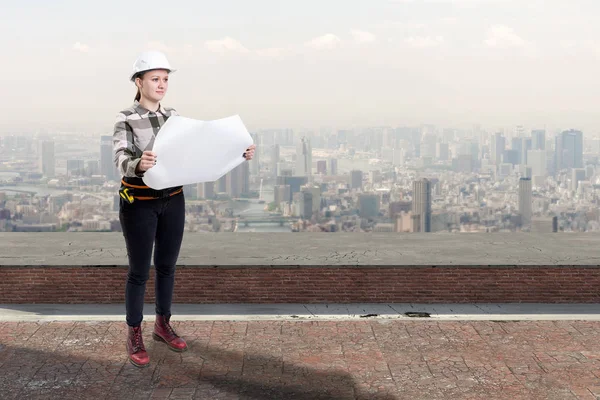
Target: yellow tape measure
(124, 193)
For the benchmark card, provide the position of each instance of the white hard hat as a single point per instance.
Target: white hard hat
(150, 60)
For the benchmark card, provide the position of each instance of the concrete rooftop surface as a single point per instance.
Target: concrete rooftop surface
(310, 249)
(306, 360)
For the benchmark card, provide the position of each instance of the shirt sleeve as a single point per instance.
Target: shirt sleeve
(125, 157)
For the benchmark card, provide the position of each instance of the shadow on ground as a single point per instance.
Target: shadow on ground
(203, 372)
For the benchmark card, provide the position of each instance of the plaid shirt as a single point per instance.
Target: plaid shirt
(135, 131)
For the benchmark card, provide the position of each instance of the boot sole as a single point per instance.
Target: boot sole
(136, 364)
(159, 339)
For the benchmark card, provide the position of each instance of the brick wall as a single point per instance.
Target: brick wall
(312, 285)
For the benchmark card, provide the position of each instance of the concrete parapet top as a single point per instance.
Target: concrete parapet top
(310, 249)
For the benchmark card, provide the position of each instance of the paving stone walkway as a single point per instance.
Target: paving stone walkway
(306, 360)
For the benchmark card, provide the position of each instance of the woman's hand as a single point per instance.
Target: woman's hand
(250, 152)
(147, 161)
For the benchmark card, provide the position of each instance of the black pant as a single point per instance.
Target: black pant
(144, 223)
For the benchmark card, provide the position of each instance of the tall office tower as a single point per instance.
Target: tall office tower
(221, 184)
(281, 193)
(255, 164)
(306, 204)
(75, 167)
(421, 204)
(206, 190)
(190, 191)
(107, 165)
(538, 139)
(322, 167)
(517, 146)
(526, 146)
(369, 205)
(48, 161)
(294, 182)
(498, 147)
(275, 156)
(356, 179)
(577, 175)
(525, 201)
(92, 167)
(569, 150)
(333, 166)
(304, 158)
(238, 180)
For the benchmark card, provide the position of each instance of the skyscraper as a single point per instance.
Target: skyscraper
(294, 182)
(281, 193)
(75, 167)
(525, 148)
(275, 155)
(333, 166)
(538, 139)
(92, 167)
(356, 179)
(577, 175)
(369, 205)
(304, 158)
(511, 157)
(47, 161)
(107, 166)
(525, 201)
(517, 146)
(190, 191)
(206, 190)
(237, 181)
(316, 196)
(569, 150)
(322, 167)
(421, 204)
(221, 184)
(255, 165)
(498, 147)
(306, 204)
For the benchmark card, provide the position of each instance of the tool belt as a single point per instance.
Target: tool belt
(134, 189)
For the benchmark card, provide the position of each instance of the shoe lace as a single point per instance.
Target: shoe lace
(138, 344)
(169, 328)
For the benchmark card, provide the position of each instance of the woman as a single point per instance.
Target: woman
(148, 217)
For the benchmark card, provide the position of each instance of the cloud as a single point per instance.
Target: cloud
(502, 36)
(325, 42)
(83, 48)
(424, 41)
(362, 36)
(225, 45)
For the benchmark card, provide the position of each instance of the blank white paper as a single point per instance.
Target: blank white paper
(190, 151)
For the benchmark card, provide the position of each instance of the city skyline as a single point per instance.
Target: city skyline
(379, 180)
(404, 62)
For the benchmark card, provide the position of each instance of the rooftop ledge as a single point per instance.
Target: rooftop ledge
(313, 250)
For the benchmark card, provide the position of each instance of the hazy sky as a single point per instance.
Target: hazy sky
(309, 63)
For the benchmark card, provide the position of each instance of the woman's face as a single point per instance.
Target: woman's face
(154, 84)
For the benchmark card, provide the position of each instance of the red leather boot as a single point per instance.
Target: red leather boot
(135, 347)
(163, 332)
